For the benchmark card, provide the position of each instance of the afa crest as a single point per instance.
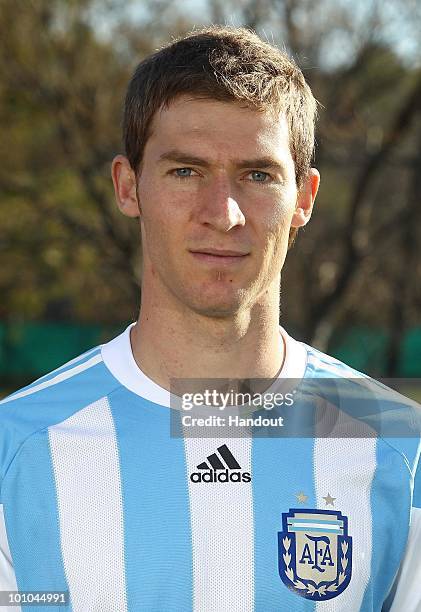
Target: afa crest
(315, 553)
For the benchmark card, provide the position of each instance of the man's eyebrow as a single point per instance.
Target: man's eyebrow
(181, 157)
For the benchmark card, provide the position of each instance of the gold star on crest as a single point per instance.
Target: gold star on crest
(301, 497)
(329, 500)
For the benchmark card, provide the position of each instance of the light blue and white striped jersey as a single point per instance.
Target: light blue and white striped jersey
(99, 500)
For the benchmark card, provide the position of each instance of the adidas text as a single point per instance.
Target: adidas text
(220, 476)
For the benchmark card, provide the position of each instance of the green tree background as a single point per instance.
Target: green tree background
(68, 256)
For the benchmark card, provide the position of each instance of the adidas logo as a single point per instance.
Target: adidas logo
(222, 468)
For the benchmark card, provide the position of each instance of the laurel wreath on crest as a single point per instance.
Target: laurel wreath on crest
(312, 590)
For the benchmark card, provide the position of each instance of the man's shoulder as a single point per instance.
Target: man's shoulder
(324, 366)
(332, 373)
(59, 393)
(28, 414)
(391, 416)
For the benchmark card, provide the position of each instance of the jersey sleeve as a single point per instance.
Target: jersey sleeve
(406, 592)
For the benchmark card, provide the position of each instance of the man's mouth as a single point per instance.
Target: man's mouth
(219, 256)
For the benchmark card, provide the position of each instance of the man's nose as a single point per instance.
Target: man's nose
(219, 206)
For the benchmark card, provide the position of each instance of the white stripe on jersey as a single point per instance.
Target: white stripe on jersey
(70, 363)
(222, 531)
(87, 474)
(53, 381)
(341, 464)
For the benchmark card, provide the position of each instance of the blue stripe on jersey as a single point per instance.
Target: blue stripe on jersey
(37, 559)
(275, 486)
(65, 367)
(390, 504)
(157, 519)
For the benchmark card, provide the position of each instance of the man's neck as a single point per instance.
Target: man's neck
(196, 347)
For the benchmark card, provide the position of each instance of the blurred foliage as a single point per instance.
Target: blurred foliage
(68, 255)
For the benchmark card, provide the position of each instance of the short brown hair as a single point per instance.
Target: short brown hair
(227, 64)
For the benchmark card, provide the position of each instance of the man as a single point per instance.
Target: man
(100, 497)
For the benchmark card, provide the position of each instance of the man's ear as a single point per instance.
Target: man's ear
(124, 180)
(305, 199)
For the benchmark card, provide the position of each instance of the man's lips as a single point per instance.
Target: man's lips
(219, 256)
(220, 253)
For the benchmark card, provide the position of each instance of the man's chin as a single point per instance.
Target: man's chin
(216, 302)
(217, 312)
(218, 309)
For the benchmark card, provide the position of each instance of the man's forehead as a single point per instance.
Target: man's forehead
(196, 122)
(191, 108)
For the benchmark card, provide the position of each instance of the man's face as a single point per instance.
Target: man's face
(217, 195)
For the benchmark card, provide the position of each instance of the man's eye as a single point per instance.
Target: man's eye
(183, 172)
(258, 176)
